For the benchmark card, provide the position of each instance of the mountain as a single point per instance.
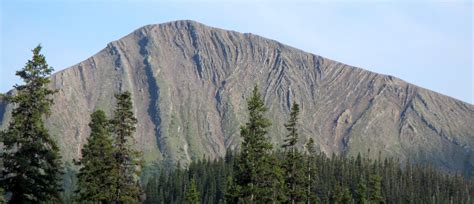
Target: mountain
(189, 83)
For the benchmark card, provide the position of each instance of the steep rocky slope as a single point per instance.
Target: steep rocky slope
(189, 83)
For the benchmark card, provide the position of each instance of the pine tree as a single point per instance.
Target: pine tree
(192, 194)
(128, 161)
(32, 162)
(97, 175)
(293, 165)
(257, 178)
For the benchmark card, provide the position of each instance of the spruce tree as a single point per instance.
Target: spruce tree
(360, 193)
(32, 165)
(192, 194)
(375, 190)
(339, 179)
(337, 194)
(346, 196)
(97, 175)
(310, 170)
(128, 161)
(293, 165)
(257, 178)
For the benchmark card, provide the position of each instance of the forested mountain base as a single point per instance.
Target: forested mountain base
(337, 179)
(31, 165)
(258, 173)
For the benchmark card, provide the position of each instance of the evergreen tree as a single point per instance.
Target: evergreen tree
(293, 165)
(310, 170)
(231, 191)
(341, 195)
(337, 178)
(346, 196)
(336, 194)
(69, 183)
(292, 138)
(152, 191)
(361, 191)
(192, 194)
(2, 194)
(128, 161)
(256, 175)
(97, 175)
(375, 191)
(31, 160)
(310, 147)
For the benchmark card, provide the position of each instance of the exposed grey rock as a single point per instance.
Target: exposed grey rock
(189, 83)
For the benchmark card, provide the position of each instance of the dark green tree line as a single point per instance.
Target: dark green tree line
(258, 174)
(192, 195)
(330, 184)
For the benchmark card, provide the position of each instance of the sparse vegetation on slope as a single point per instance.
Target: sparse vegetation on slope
(188, 83)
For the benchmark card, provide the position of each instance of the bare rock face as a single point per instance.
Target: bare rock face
(189, 83)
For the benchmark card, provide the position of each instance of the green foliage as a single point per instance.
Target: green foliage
(192, 194)
(293, 164)
(253, 175)
(310, 172)
(375, 190)
(360, 193)
(346, 196)
(341, 195)
(110, 168)
(127, 159)
(97, 175)
(257, 175)
(152, 194)
(31, 160)
(2, 194)
(69, 183)
(292, 138)
(337, 180)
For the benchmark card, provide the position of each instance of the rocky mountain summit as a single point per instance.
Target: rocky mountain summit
(189, 83)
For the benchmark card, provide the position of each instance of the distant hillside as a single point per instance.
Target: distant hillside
(189, 83)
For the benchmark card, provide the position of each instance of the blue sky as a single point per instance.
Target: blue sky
(428, 43)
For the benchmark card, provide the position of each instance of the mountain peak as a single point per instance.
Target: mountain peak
(189, 82)
(178, 25)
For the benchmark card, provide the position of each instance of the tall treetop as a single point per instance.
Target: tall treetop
(292, 137)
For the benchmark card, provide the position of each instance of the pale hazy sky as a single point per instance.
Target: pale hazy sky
(428, 43)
